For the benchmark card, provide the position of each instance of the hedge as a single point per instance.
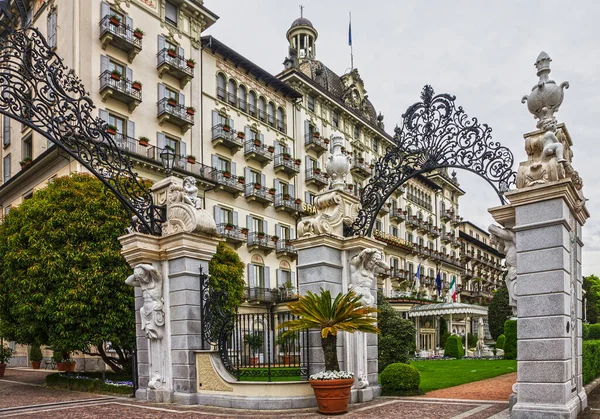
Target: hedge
(593, 331)
(453, 347)
(400, 380)
(591, 360)
(500, 342)
(510, 344)
(88, 385)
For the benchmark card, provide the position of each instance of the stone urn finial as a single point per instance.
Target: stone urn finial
(338, 165)
(546, 97)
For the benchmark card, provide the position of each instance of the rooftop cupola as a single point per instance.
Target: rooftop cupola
(302, 38)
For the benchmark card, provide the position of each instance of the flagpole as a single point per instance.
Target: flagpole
(350, 40)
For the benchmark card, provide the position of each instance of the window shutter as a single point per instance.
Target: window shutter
(129, 23)
(292, 234)
(278, 277)
(306, 129)
(293, 276)
(161, 43)
(251, 279)
(277, 148)
(214, 161)
(160, 140)
(52, 30)
(265, 226)
(291, 191)
(181, 52)
(267, 277)
(278, 230)
(391, 231)
(263, 180)
(217, 214)
(249, 224)
(104, 9)
(182, 149)
(215, 118)
(247, 175)
(181, 99)
(248, 133)
(233, 169)
(307, 163)
(161, 91)
(235, 218)
(104, 61)
(130, 128)
(262, 138)
(6, 128)
(307, 197)
(276, 185)
(231, 122)
(102, 114)
(129, 74)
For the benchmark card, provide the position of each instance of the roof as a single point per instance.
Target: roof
(480, 244)
(447, 308)
(270, 80)
(301, 21)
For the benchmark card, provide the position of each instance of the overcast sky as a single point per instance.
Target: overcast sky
(480, 51)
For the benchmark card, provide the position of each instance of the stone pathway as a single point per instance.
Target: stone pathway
(497, 388)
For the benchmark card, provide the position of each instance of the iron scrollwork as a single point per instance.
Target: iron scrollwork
(40, 92)
(435, 134)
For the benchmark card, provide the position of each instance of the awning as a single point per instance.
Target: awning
(442, 309)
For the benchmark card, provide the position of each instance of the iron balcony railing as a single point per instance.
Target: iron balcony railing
(258, 192)
(286, 163)
(121, 85)
(227, 181)
(262, 240)
(397, 216)
(318, 143)
(284, 246)
(177, 64)
(399, 274)
(425, 204)
(174, 110)
(258, 150)
(226, 136)
(287, 202)
(316, 176)
(122, 35)
(231, 232)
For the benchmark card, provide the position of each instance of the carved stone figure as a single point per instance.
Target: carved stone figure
(333, 213)
(338, 165)
(507, 244)
(480, 336)
(363, 268)
(152, 312)
(551, 144)
(191, 192)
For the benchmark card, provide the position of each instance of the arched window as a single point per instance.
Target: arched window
(409, 212)
(261, 108)
(242, 97)
(252, 104)
(271, 114)
(232, 92)
(221, 86)
(281, 120)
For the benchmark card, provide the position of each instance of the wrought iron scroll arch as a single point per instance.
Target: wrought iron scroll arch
(40, 92)
(435, 134)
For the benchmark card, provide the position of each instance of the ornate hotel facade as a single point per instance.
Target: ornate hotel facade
(257, 143)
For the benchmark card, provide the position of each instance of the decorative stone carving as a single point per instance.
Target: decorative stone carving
(152, 312)
(338, 165)
(363, 269)
(333, 213)
(506, 240)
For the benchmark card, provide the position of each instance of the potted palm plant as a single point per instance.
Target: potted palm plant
(35, 356)
(330, 316)
(287, 345)
(5, 354)
(254, 342)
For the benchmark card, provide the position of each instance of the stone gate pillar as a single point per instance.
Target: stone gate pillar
(167, 291)
(546, 214)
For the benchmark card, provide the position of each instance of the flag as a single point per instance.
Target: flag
(438, 283)
(350, 31)
(452, 289)
(418, 278)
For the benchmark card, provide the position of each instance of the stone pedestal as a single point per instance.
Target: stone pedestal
(547, 221)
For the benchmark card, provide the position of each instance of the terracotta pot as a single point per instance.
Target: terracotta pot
(138, 35)
(60, 366)
(332, 395)
(191, 161)
(172, 53)
(69, 366)
(115, 77)
(144, 143)
(114, 21)
(35, 365)
(2, 369)
(253, 360)
(136, 86)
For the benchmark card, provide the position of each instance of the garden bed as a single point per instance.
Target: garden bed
(277, 374)
(91, 382)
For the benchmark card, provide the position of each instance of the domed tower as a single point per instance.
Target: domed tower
(302, 38)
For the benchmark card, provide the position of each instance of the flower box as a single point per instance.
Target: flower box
(144, 141)
(190, 111)
(287, 157)
(326, 140)
(115, 20)
(115, 75)
(286, 196)
(226, 128)
(272, 191)
(241, 135)
(257, 186)
(271, 149)
(241, 179)
(244, 231)
(136, 85)
(226, 175)
(172, 102)
(172, 53)
(298, 201)
(191, 63)
(111, 129)
(298, 162)
(191, 159)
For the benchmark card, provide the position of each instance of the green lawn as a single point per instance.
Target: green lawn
(442, 374)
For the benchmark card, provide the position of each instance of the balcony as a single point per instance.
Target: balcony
(447, 238)
(119, 88)
(281, 126)
(175, 114)
(360, 169)
(284, 163)
(232, 234)
(258, 193)
(399, 274)
(254, 149)
(434, 232)
(398, 216)
(316, 143)
(260, 241)
(169, 62)
(412, 222)
(455, 220)
(121, 36)
(423, 227)
(446, 216)
(385, 209)
(316, 177)
(261, 295)
(224, 136)
(287, 203)
(285, 248)
(227, 182)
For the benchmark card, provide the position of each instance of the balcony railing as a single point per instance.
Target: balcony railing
(317, 177)
(258, 193)
(397, 216)
(121, 89)
(285, 248)
(258, 151)
(399, 274)
(231, 233)
(226, 137)
(227, 182)
(250, 109)
(120, 36)
(169, 62)
(261, 294)
(285, 163)
(287, 203)
(175, 114)
(360, 169)
(316, 143)
(425, 204)
(434, 231)
(260, 241)
(412, 223)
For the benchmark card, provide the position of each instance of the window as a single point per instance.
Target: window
(7, 209)
(252, 104)
(255, 178)
(310, 103)
(259, 276)
(409, 237)
(284, 278)
(280, 120)
(232, 92)
(174, 143)
(6, 167)
(6, 131)
(27, 147)
(221, 86)
(335, 116)
(283, 188)
(477, 236)
(271, 114)
(226, 215)
(171, 13)
(118, 122)
(52, 29)
(261, 108)
(28, 195)
(310, 198)
(242, 98)
(223, 165)
(171, 94)
(257, 225)
(375, 145)
(356, 132)
(378, 225)
(285, 233)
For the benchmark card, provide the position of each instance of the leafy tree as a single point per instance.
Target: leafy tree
(499, 311)
(397, 339)
(591, 286)
(454, 348)
(62, 274)
(227, 274)
(510, 344)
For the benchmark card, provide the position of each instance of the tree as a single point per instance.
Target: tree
(397, 338)
(227, 274)
(62, 273)
(499, 311)
(591, 286)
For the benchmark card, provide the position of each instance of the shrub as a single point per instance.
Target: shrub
(396, 342)
(472, 340)
(510, 344)
(82, 384)
(594, 331)
(400, 380)
(500, 342)
(591, 360)
(454, 347)
(498, 312)
(35, 354)
(585, 331)
(443, 339)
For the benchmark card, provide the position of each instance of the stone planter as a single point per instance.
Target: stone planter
(332, 395)
(35, 365)
(69, 366)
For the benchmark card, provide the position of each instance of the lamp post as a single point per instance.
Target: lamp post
(167, 156)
